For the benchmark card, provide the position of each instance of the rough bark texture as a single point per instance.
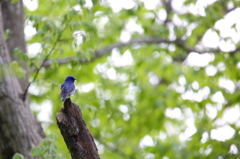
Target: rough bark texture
(73, 128)
(13, 21)
(19, 130)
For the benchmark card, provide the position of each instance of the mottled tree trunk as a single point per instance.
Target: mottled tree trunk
(13, 21)
(19, 130)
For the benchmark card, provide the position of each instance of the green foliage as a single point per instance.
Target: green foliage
(18, 156)
(14, 1)
(45, 150)
(122, 102)
(17, 70)
(6, 34)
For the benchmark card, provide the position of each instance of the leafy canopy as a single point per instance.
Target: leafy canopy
(140, 92)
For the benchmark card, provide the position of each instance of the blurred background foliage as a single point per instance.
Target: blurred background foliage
(173, 99)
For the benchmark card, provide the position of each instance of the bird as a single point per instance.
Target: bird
(67, 88)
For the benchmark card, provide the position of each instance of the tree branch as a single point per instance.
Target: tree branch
(168, 6)
(146, 40)
(106, 50)
(76, 136)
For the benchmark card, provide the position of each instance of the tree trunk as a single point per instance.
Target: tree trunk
(19, 130)
(13, 21)
(73, 128)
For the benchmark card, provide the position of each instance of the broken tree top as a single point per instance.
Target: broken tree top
(76, 136)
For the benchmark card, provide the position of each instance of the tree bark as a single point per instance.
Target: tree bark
(73, 128)
(19, 130)
(13, 21)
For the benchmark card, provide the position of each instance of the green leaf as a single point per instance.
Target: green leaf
(35, 151)
(6, 34)
(18, 156)
(17, 52)
(65, 18)
(73, 63)
(14, 1)
(44, 151)
(73, 13)
(82, 2)
(46, 27)
(52, 137)
(17, 70)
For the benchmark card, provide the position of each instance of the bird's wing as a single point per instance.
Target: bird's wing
(70, 89)
(63, 91)
(66, 89)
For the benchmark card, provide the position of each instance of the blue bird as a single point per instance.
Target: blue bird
(67, 88)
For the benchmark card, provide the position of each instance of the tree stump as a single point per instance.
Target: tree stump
(78, 139)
